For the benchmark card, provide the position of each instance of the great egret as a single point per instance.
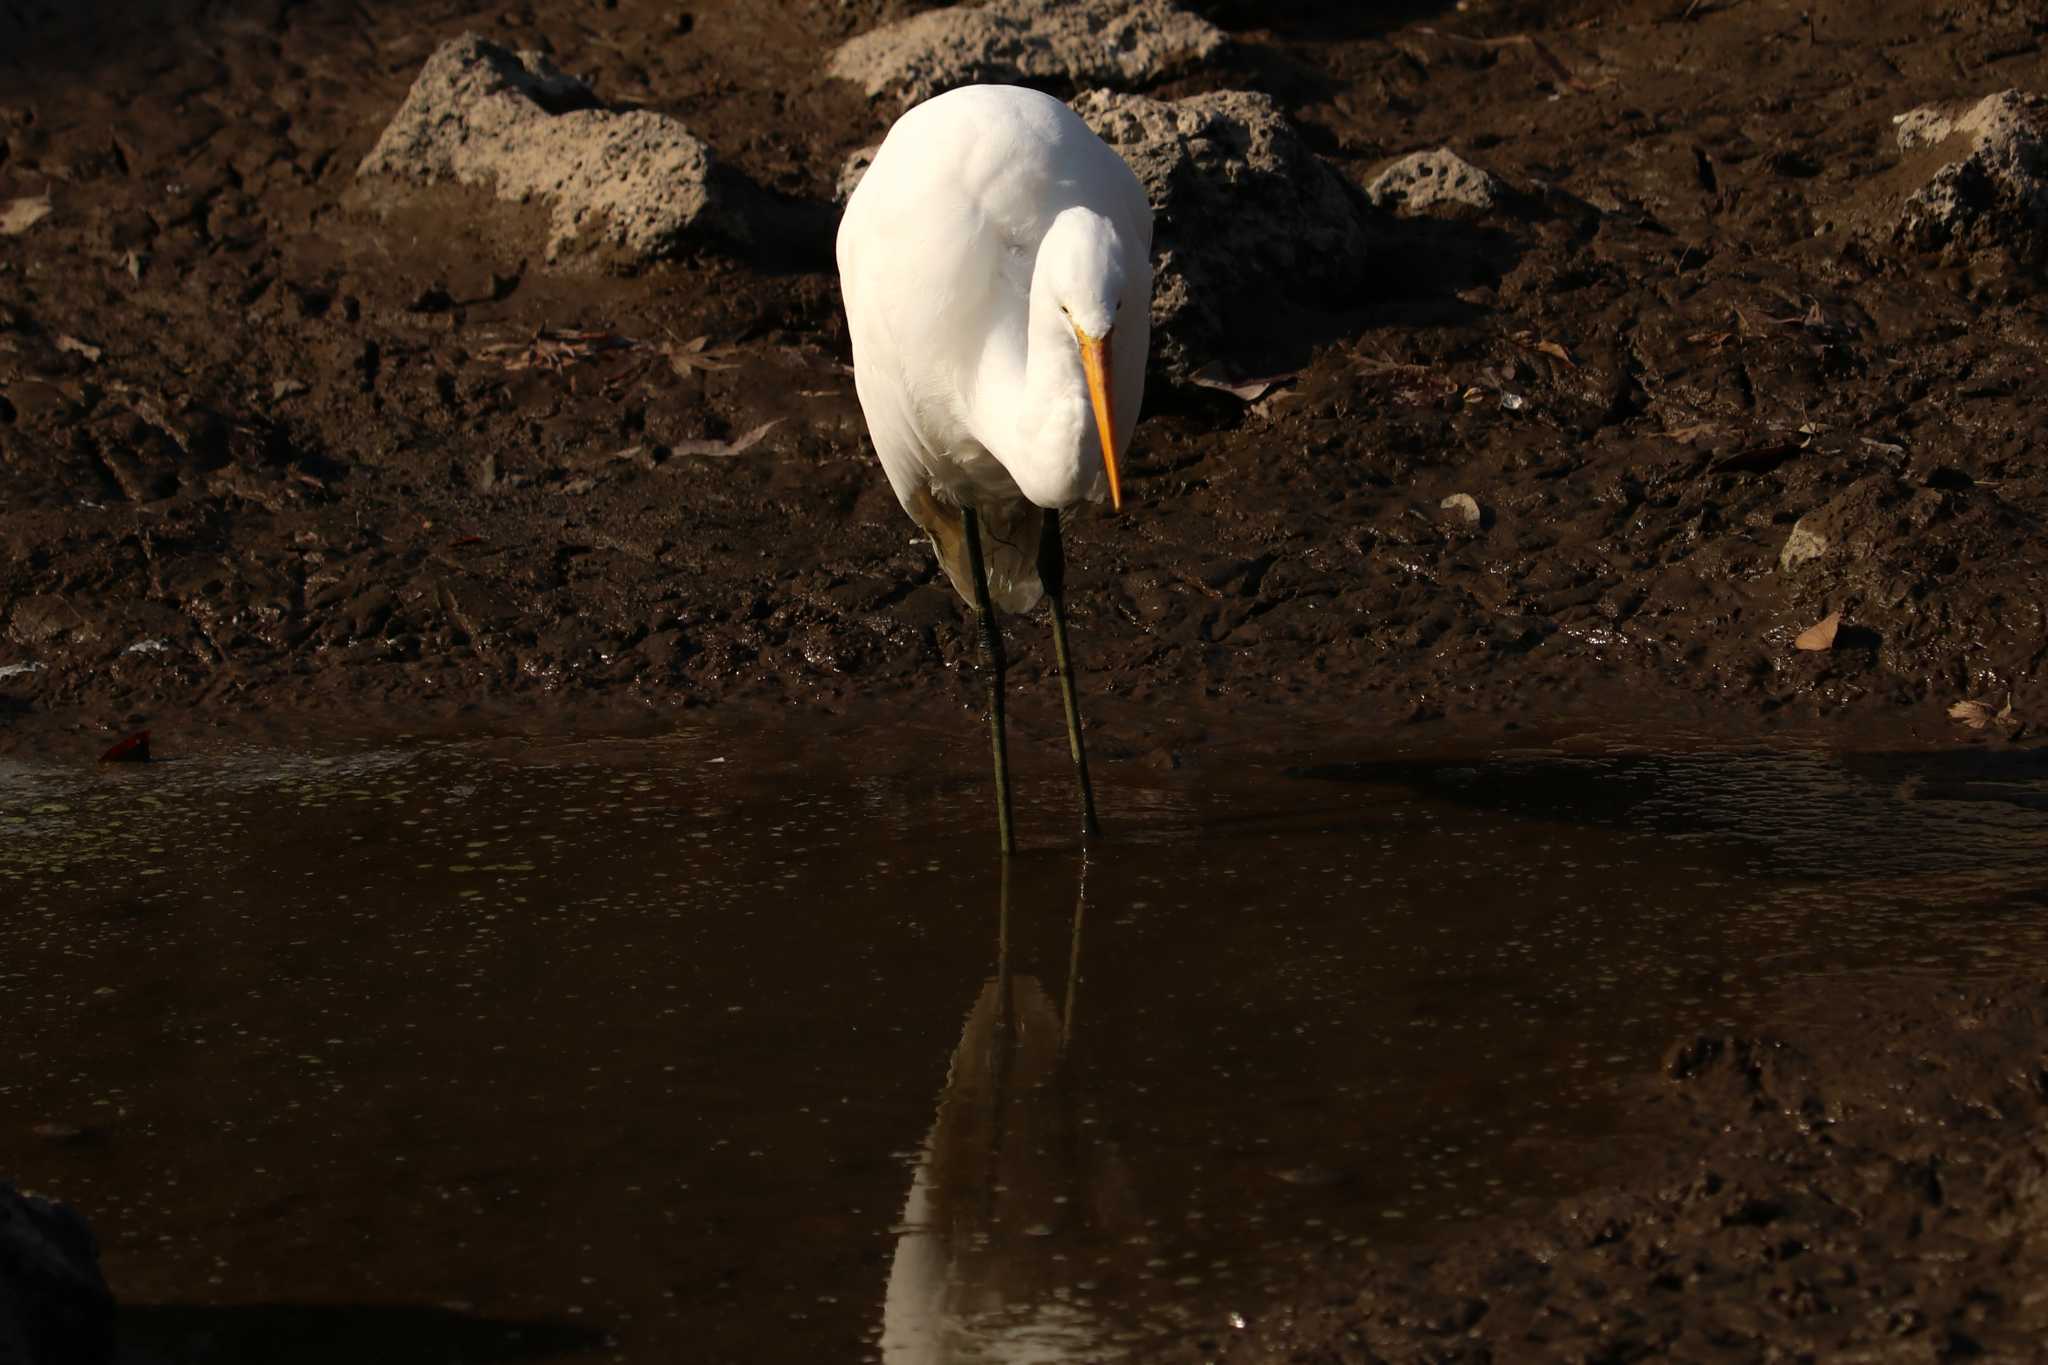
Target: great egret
(996, 264)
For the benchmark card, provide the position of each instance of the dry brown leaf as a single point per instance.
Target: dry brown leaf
(1549, 348)
(1543, 54)
(1216, 375)
(1978, 715)
(77, 347)
(22, 214)
(1821, 634)
(690, 355)
(724, 449)
(1692, 433)
(1975, 714)
(555, 350)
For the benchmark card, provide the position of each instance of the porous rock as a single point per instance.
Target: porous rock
(1120, 43)
(621, 187)
(1805, 543)
(856, 166)
(54, 1305)
(1427, 182)
(1243, 211)
(1995, 184)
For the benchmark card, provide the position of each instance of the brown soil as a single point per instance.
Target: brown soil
(261, 431)
(286, 450)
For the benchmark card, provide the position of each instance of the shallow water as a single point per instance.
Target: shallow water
(711, 1050)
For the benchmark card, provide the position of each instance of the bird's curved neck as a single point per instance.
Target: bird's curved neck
(1030, 399)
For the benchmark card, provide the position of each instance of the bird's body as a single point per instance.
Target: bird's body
(987, 210)
(996, 263)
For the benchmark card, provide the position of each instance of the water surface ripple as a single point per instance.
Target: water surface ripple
(677, 1050)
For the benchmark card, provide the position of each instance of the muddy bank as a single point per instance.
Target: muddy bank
(266, 441)
(1865, 1182)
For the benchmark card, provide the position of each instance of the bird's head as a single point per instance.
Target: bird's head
(1081, 261)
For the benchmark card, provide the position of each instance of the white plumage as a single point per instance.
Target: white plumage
(992, 245)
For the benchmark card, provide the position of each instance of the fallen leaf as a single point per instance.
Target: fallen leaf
(1216, 375)
(1549, 348)
(552, 349)
(1692, 433)
(1821, 634)
(1264, 407)
(723, 449)
(1525, 40)
(77, 347)
(22, 214)
(685, 356)
(1978, 714)
(133, 749)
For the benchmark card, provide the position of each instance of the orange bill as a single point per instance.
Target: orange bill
(1095, 364)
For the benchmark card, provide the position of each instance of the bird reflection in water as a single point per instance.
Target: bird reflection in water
(1016, 1196)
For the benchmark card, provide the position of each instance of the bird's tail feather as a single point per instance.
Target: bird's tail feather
(1009, 548)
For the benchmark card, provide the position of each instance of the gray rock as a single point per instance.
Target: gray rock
(1805, 543)
(1995, 183)
(621, 187)
(1427, 182)
(54, 1305)
(1112, 42)
(1244, 212)
(850, 174)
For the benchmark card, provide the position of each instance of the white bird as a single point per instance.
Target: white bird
(996, 265)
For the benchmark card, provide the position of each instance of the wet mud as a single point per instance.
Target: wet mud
(1858, 1184)
(267, 441)
(280, 460)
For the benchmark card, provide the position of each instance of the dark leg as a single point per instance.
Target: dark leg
(1074, 958)
(1052, 571)
(992, 646)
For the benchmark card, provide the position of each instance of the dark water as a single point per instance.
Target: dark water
(702, 1049)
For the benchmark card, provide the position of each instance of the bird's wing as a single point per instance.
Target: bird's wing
(903, 406)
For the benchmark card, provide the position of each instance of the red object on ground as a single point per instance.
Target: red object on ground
(134, 749)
